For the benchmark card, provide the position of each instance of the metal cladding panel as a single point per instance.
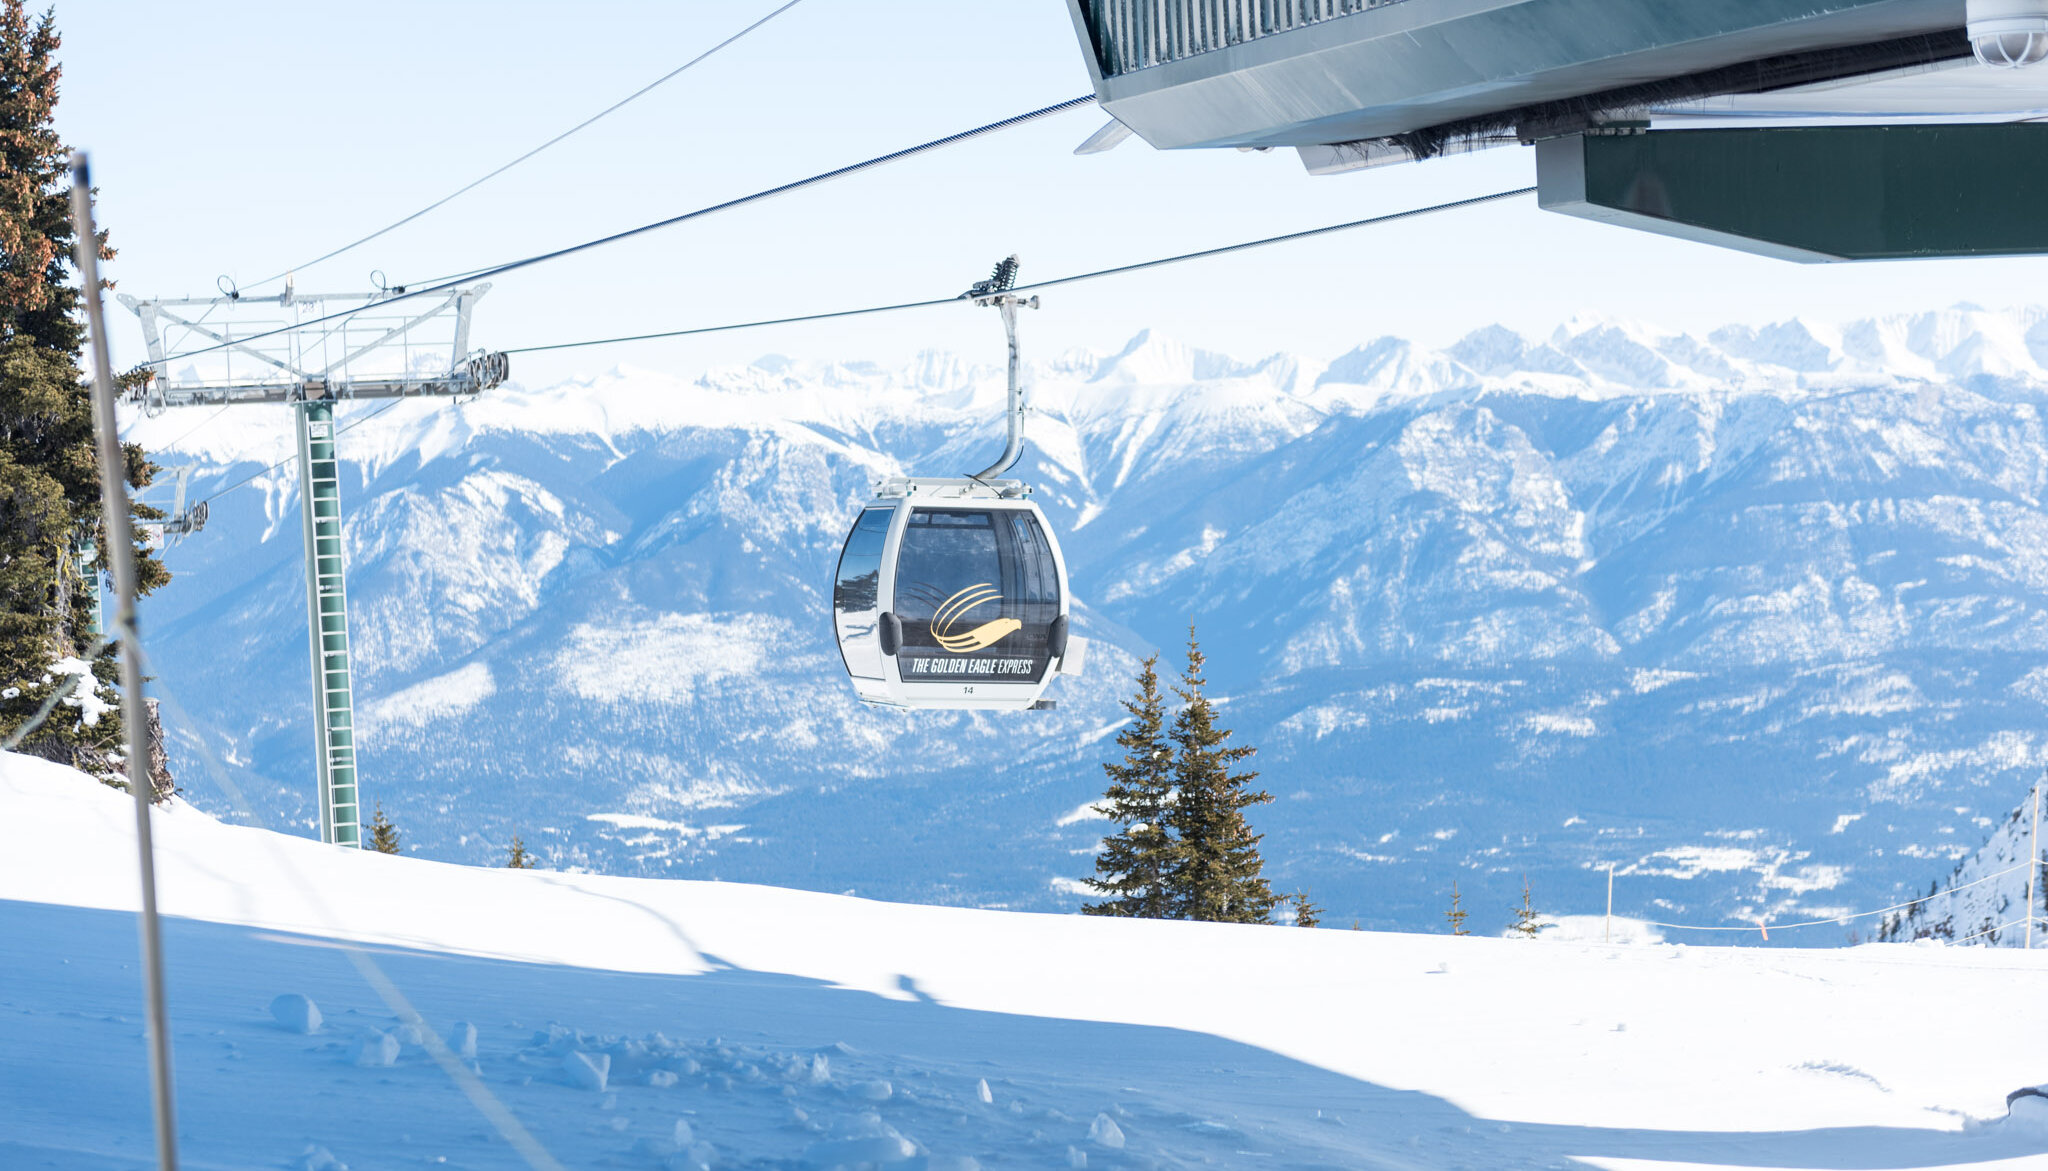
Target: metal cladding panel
(1814, 193)
(1420, 63)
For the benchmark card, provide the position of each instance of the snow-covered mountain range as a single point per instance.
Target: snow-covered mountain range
(1760, 619)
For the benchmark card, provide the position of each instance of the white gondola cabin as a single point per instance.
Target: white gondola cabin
(952, 593)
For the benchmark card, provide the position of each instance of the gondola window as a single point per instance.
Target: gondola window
(977, 592)
(856, 594)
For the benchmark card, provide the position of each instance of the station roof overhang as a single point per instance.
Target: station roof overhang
(1415, 66)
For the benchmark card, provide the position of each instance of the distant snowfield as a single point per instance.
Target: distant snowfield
(790, 1021)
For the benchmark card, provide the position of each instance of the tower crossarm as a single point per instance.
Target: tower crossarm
(369, 349)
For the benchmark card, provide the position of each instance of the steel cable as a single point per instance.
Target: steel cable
(443, 284)
(475, 183)
(1075, 278)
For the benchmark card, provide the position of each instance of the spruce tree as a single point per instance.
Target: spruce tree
(1306, 913)
(383, 835)
(49, 484)
(1216, 855)
(520, 859)
(1136, 861)
(1456, 914)
(1525, 924)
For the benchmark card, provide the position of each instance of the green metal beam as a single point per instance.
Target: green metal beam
(334, 752)
(1813, 193)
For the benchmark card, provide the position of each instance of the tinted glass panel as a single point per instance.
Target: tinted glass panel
(854, 593)
(977, 592)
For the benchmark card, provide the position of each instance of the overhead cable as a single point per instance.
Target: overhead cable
(1118, 270)
(481, 180)
(280, 463)
(443, 284)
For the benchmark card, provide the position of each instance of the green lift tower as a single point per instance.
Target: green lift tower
(375, 352)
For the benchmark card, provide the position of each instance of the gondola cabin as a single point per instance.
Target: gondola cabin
(951, 593)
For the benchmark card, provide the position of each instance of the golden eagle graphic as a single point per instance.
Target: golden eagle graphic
(953, 609)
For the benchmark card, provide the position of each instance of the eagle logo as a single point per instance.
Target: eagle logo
(947, 619)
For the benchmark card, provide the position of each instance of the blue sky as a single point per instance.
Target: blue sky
(240, 137)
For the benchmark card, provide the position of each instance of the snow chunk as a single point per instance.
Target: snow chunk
(587, 1071)
(1104, 1132)
(852, 1152)
(296, 1013)
(377, 1048)
(462, 1040)
(319, 1159)
(878, 1090)
(981, 1092)
(2026, 1110)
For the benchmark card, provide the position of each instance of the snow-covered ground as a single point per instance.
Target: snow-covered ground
(777, 1023)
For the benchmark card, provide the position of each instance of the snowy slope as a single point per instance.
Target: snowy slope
(1751, 617)
(786, 1017)
(1984, 899)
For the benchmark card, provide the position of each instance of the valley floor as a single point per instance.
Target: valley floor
(793, 1029)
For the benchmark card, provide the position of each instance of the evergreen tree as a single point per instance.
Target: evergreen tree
(49, 482)
(1216, 855)
(520, 859)
(1136, 861)
(1525, 924)
(383, 835)
(1456, 914)
(1306, 913)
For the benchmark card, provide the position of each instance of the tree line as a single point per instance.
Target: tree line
(1182, 847)
(52, 540)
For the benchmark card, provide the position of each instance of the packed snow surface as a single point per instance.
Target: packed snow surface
(653, 1023)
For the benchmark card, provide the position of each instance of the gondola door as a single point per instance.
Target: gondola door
(975, 601)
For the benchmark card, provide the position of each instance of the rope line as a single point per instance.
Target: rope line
(1839, 919)
(444, 284)
(1992, 930)
(475, 183)
(1074, 278)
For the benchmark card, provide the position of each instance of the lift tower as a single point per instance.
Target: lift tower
(375, 352)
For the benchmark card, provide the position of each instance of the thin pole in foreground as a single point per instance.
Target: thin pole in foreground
(120, 551)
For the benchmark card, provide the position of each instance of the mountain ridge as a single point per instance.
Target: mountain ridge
(1453, 606)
